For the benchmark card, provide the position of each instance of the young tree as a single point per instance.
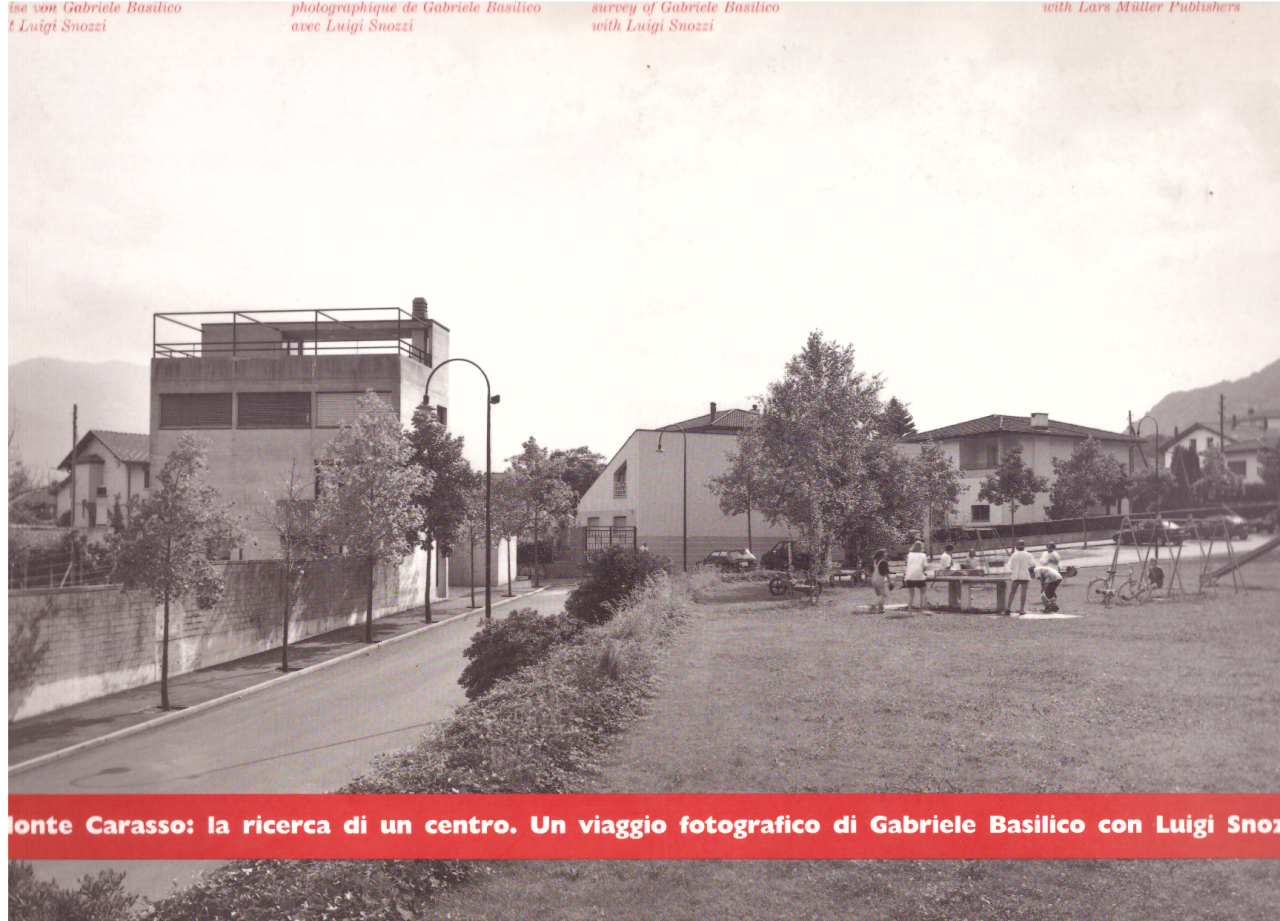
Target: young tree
(450, 482)
(1152, 490)
(1217, 483)
(895, 419)
(582, 467)
(367, 489)
(1013, 482)
(805, 460)
(1088, 477)
(938, 482)
(473, 530)
(508, 517)
(294, 521)
(165, 548)
(546, 497)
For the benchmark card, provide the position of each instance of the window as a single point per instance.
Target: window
(619, 521)
(442, 415)
(1208, 443)
(1191, 443)
(979, 455)
(620, 483)
(332, 409)
(102, 492)
(287, 410)
(1237, 467)
(593, 521)
(195, 410)
(146, 476)
(979, 513)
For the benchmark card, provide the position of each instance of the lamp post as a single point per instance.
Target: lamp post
(684, 525)
(489, 402)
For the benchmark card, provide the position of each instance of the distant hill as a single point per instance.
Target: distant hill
(112, 395)
(1184, 407)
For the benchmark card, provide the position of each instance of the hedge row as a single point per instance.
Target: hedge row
(539, 731)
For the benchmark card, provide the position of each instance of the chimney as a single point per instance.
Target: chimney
(713, 414)
(1040, 421)
(419, 308)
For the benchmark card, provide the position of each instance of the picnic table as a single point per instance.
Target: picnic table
(960, 588)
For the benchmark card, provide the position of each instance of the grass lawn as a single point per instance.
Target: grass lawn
(764, 694)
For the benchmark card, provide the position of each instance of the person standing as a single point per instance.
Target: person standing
(880, 580)
(1050, 579)
(916, 579)
(1019, 567)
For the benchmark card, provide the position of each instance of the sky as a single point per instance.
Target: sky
(1003, 209)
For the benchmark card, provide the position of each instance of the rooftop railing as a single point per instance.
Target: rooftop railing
(262, 333)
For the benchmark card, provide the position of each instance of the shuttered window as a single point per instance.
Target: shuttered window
(195, 410)
(332, 409)
(288, 410)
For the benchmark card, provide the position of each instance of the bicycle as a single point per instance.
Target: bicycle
(1133, 590)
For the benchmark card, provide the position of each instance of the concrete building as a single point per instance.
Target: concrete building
(643, 488)
(268, 389)
(108, 466)
(976, 448)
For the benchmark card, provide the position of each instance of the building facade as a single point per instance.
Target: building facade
(266, 390)
(978, 446)
(644, 488)
(109, 467)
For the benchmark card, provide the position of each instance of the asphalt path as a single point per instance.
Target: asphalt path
(309, 735)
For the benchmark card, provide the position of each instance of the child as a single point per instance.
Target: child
(880, 580)
(915, 578)
(1019, 568)
(1050, 556)
(946, 563)
(1050, 578)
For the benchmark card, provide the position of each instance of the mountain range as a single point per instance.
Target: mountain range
(1183, 408)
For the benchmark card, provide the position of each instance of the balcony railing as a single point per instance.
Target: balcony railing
(265, 333)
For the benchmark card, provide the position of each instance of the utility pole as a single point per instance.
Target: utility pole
(75, 440)
(1222, 420)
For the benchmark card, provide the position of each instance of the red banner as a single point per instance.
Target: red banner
(656, 826)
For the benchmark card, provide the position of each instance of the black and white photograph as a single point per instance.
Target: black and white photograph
(825, 456)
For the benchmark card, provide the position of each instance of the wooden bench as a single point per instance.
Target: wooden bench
(960, 588)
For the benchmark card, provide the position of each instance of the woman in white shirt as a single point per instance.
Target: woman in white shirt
(915, 579)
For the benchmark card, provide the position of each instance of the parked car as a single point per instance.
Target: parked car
(776, 558)
(1219, 526)
(1150, 531)
(731, 560)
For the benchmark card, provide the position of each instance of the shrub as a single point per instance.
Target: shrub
(98, 899)
(615, 573)
(503, 647)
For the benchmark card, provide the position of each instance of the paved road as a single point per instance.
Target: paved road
(310, 735)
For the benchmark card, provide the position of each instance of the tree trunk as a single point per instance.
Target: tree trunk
(164, 656)
(511, 592)
(288, 603)
(368, 614)
(430, 559)
(1084, 526)
(537, 551)
(472, 554)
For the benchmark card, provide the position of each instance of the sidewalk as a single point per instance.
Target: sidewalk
(87, 722)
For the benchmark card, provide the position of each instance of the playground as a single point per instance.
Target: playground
(780, 694)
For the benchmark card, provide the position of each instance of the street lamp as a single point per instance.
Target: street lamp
(684, 526)
(489, 402)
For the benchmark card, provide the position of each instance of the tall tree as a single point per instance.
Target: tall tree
(1217, 483)
(1089, 477)
(895, 419)
(290, 514)
(582, 467)
(547, 499)
(166, 546)
(1152, 489)
(366, 491)
(1269, 468)
(938, 482)
(450, 483)
(806, 459)
(1013, 482)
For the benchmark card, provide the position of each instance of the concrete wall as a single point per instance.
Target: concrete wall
(251, 466)
(460, 567)
(74, 645)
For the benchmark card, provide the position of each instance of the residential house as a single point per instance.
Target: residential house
(109, 467)
(268, 389)
(1243, 456)
(644, 488)
(1198, 437)
(977, 447)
